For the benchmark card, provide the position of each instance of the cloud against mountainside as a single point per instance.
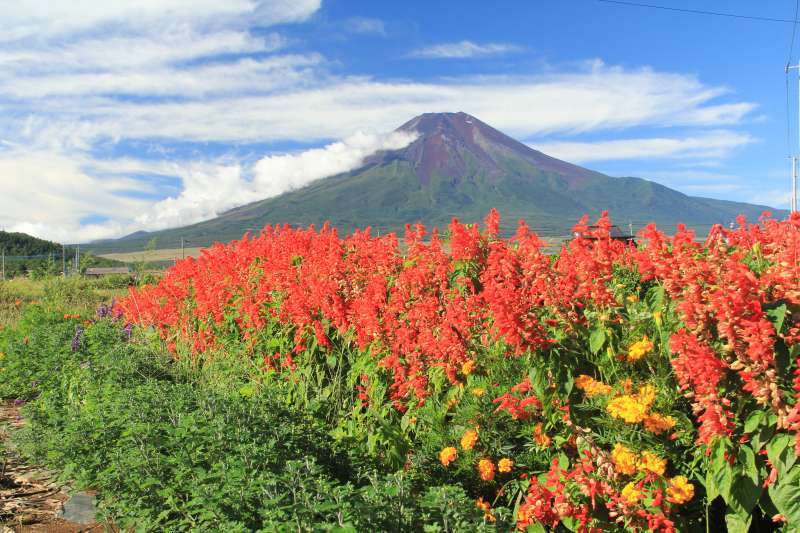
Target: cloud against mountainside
(81, 79)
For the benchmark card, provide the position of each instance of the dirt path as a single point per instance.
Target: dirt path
(30, 497)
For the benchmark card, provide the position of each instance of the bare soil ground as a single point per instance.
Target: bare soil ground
(30, 496)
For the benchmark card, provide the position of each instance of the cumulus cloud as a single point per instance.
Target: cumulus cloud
(464, 49)
(713, 144)
(212, 189)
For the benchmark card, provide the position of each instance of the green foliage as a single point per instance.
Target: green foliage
(170, 448)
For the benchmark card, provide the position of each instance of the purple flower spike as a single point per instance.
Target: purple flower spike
(128, 330)
(76, 339)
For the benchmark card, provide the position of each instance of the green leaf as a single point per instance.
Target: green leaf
(781, 453)
(744, 495)
(785, 494)
(597, 338)
(738, 523)
(536, 527)
(753, 421)
(777, 315)
(655, 298)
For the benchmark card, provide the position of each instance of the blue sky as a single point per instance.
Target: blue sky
(147, 114)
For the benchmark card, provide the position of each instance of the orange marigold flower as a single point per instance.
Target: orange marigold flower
(540, 437)
(624, 459)
(469, 438)
(591, 386)
(650, 462)
(504, 465)
(658, 424)
(639, 349)
(486, 469)
(484, 506)
(679, 490)
(628, 408)
(631, 494)
(448, 455)
(468, 367)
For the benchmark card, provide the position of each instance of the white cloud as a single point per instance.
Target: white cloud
(775, 197)
(42, 19)
(212, 189)
(713, 144)
(464, 49)
(316, 106)
(48, 195)
(365, 26)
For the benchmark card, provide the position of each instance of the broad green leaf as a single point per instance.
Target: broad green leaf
(777, 315)
(738, 523)
(597, 338)
(781, 452)
(753, 421)
(744, 495)
(785, 494)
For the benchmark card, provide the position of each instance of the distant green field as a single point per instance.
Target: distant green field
(147, 256)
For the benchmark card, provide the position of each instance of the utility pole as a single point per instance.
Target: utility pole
(793, 202)
(183, 253)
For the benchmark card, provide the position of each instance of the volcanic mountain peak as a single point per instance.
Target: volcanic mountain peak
(458, 166)
(453, 144)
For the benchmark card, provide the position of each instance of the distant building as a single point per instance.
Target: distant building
(99, 272)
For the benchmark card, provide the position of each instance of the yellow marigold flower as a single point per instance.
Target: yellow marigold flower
(540, 437)
(591, 386)
(658, 424)
(650, 462)
(628, 408)
(448, 455)
(624, 459)
(630, 494)
(486, 469)
(633, 298)
(469, 438)
(679, 490)
(505, 465)
(646, 395)
(468, 367)
(478, 392)
(639, 349)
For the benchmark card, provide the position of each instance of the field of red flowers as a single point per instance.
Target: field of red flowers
(650, 386)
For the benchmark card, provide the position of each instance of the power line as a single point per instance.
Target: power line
(794, 32)
(699, 11)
